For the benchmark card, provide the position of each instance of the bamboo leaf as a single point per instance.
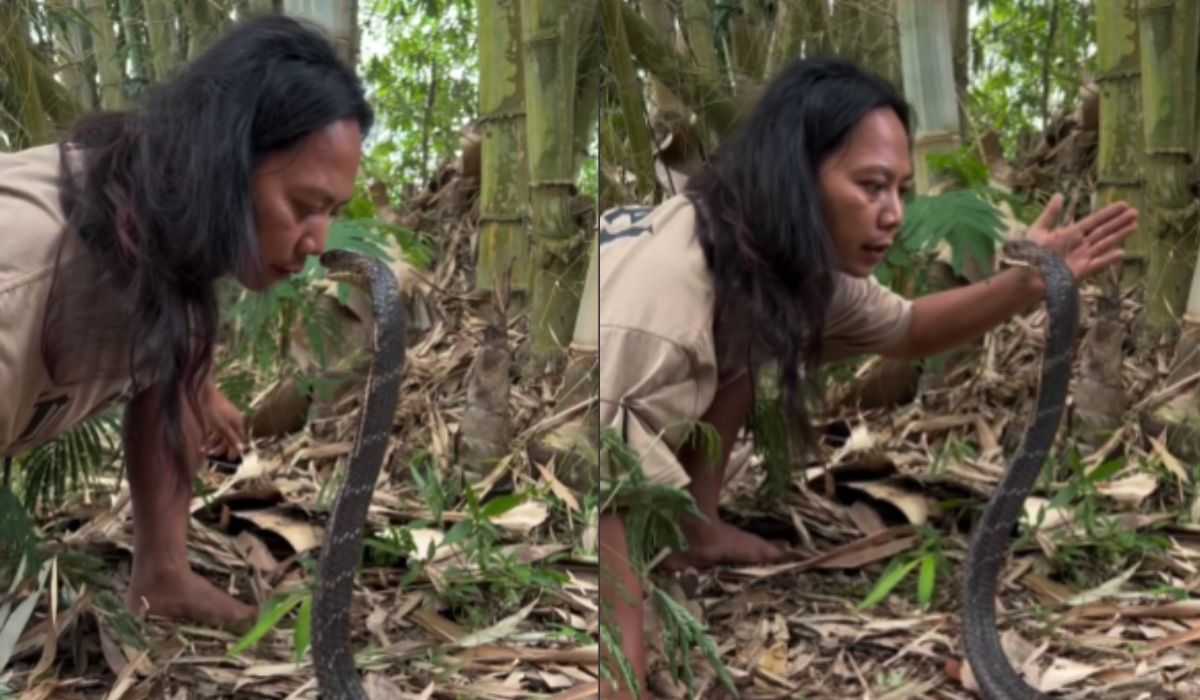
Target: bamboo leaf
(302, 634)
(267, 621)
(890, 579)
(926, 579)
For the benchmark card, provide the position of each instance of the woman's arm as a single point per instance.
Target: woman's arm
(947, 319)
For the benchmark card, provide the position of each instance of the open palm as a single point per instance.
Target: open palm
(1090, 244)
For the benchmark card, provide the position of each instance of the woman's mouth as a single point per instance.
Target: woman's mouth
(876, 252)
(282, 271)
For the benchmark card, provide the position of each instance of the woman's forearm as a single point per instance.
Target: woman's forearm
(947, 319)
(146, 441)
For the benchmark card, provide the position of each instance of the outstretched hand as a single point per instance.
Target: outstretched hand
(1090, 244)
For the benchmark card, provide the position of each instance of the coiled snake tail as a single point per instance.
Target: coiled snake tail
(990, 541)
(333, 661)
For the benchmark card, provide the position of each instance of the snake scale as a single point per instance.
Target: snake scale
(337, 677)
(989, 545)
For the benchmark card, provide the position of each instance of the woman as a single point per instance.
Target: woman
(113, 243)
(766, 260)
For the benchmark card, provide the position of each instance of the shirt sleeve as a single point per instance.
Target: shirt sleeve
(865, 317)
(651, 391)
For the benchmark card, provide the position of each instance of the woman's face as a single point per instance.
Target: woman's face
(297, 192)
(863, 185)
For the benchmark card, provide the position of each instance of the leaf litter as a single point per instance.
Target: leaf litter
(506, 610)
(1088, 606)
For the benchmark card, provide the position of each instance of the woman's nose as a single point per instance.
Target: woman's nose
(315, 236)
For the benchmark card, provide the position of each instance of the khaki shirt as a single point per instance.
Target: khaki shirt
(659, 372)
(34, 410)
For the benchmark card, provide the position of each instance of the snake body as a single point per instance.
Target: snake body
(337, 677)
(989, 545)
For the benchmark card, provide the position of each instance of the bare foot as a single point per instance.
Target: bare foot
(188, 596)
(715, 542)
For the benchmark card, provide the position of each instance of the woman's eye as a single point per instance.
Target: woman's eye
(874, 188)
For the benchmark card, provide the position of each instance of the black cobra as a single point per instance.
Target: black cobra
(337, 677)
(988, 550)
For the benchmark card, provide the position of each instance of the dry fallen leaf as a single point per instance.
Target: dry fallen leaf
(1131, 490)
(523, 518)
(300, 534)
(915, 506)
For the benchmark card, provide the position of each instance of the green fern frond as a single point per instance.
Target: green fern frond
(366, 236)
(610, 638)
(769, 425)
(964, 219)
(683, 632)
(54, 469)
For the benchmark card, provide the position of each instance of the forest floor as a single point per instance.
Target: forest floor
(1095, 601)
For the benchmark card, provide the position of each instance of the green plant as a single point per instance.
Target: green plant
(19, 547)
(13, 619)
(257, 349)
(652, 513)
(263, 321)
(436, 493)
(1028, 62)
(500, 581)
(1103, 544)
(681, 633)
(953, 449)
(963, 219)
(424, 91)
(928, 561)
(52, 470)
(273, 612)
(963, 166)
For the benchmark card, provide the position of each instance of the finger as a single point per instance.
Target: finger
(224, 450)
(1050, 214)
(1111, 241)
(1127, 220)
(1104, 261)
(1113, 212)
(230, 439)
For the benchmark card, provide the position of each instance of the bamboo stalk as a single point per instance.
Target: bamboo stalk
(549, 41)
(1168, 33)
(702, 91)
(160, 25)
(629, 92)
(504, 183)
(105, 48)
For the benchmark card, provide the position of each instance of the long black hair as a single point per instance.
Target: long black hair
(761, 225)
(160, 198)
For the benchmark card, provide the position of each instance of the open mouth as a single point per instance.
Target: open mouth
(878, 250)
